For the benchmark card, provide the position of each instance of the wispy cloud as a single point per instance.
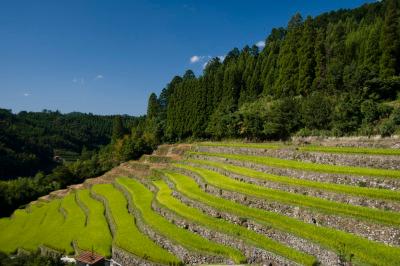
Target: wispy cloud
(99, 77)
(195, 59)
(261, 44)
(26, 94)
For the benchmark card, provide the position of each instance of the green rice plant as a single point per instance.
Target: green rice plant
(165, 198)
(142, 199)
(364, 251)
(40, 224)
(273, 145)
(128, 236)
(338, 188)
(96, 234)
(313, 203)
(351, 150)
(59, 231)
(299, 165)
(16, 231)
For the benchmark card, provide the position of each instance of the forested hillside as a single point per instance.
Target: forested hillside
(335, 74)
(29, 140)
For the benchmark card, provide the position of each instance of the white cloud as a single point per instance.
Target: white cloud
(74, 80)
(195, 59)
(261, 44)
(99, 77)
(26, 94)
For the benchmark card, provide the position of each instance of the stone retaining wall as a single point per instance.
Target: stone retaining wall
(361, 181)
(378, 232)
(324, 256)
(187, 256)
(355, 141)
(126, 258)
(314, 192)
(252, 253)
(362, 160)
(84, 208)
(107, 213)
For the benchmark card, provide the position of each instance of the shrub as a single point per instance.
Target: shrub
(387, 128)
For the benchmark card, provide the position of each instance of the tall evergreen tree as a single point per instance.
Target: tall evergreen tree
(320, 58)
(152, 106)
(372, 49)
(390, 43)
(288, 63)
(118, 128)
(306, 58)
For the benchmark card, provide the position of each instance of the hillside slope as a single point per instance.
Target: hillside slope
(221, 202)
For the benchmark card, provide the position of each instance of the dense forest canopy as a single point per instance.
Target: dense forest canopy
(335, 74)
(30, 140)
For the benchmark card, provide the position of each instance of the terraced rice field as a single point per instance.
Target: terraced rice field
(229, 203)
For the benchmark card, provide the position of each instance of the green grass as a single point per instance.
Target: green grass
(325, 168)
(242, 145)
(351, 150)
(128, 236)
(97, 233)
(16, 232)
(58, 232)
(365, 251)
(313, 203)
(142, 198)
(338, 188)
(40, 224)
(165, 198)
(328, 149)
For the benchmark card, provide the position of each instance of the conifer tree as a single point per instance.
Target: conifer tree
(288, 63)
(389, 62)
(320, 58)
(306, 58)
(152, 106)
(118, 128)
(372, 50)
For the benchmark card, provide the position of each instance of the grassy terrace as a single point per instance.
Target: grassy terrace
(365, 251)
(15, 232)
(97, 233)
(351, 150)
(165, 198)
(328, 149)
(52, 229)
(41, 224)
(74, 225)
(128, 236)
(242, 145)
(325, 168)
(142, 198)
(6, 233)
(337, 188)
(314, 203)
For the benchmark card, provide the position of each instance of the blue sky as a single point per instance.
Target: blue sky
(106, 57)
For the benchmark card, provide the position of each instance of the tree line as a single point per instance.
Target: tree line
(336, 74)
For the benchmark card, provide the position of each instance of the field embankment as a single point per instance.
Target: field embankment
(278, 203)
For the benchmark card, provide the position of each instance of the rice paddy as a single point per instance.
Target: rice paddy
(202, 191)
